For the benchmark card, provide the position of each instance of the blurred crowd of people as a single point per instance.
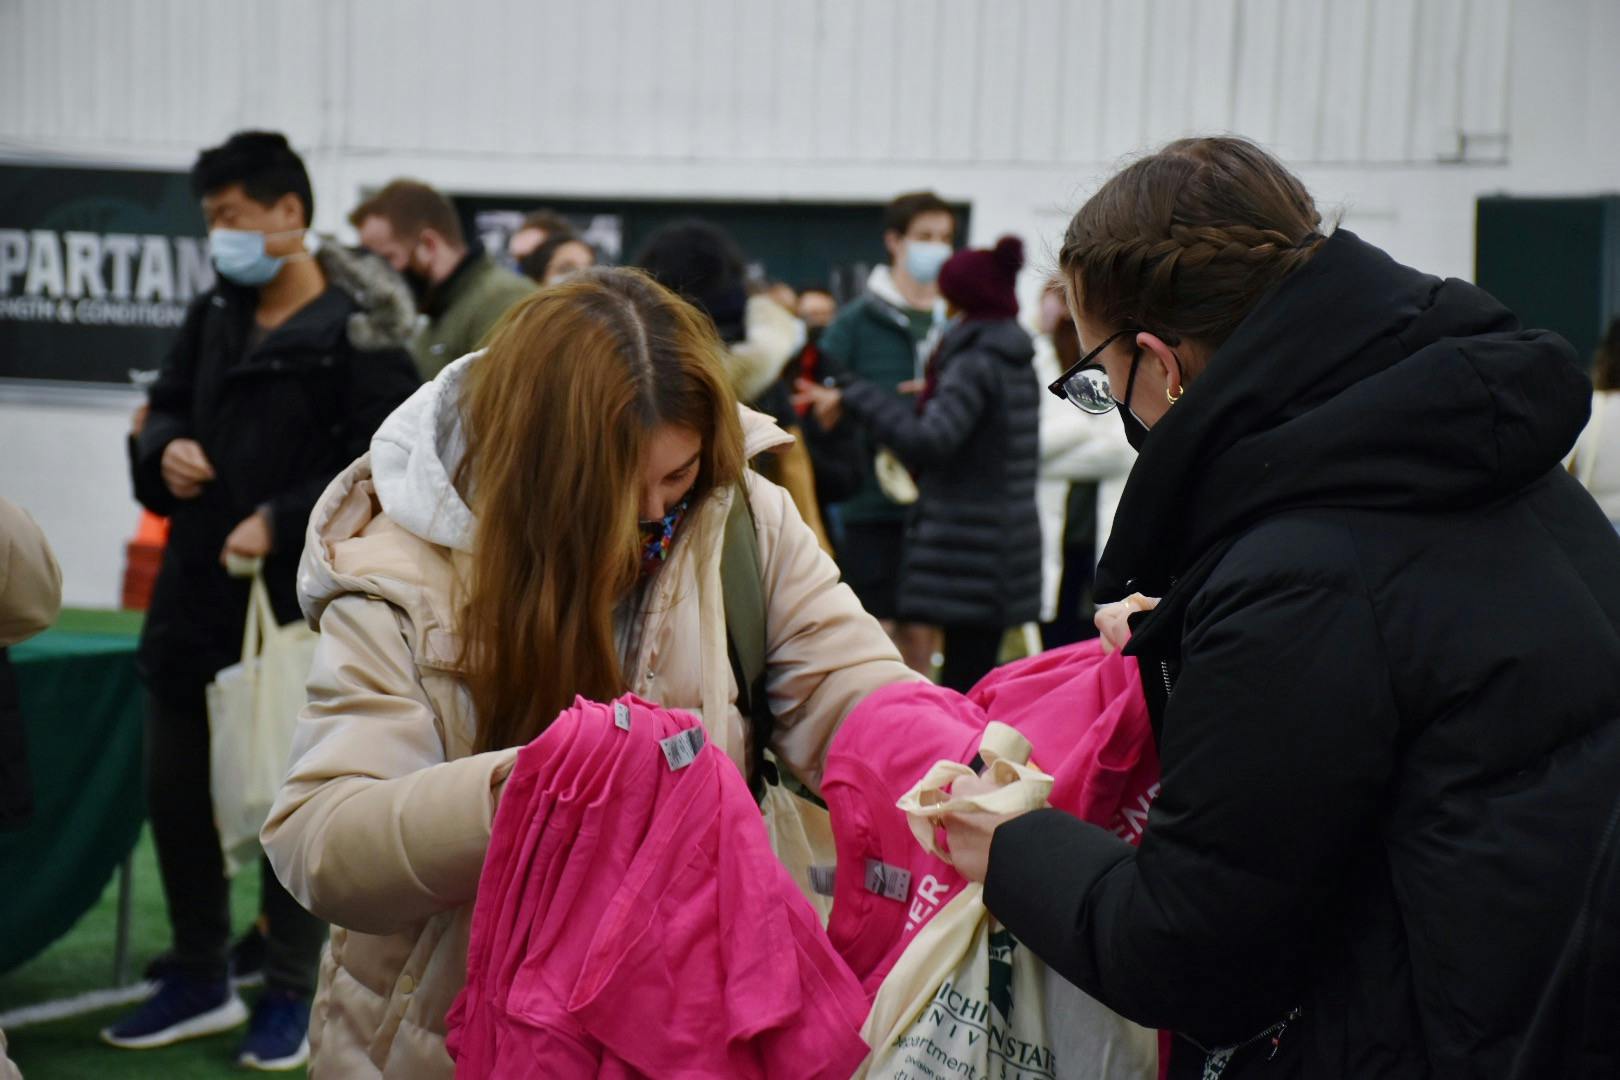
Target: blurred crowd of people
(960, 505)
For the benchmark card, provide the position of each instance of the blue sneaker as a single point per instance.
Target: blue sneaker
(278, 1036)
(183, 1008)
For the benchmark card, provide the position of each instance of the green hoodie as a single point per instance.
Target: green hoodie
(880, 339)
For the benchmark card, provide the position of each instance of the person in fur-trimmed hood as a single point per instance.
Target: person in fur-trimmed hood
(279, 377)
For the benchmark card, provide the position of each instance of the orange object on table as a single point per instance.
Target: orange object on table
(142, 557)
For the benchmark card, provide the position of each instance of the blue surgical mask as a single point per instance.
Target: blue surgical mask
(924, 258)
(239, 256)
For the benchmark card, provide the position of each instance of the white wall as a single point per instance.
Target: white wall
(1398, 113)
(65, 464)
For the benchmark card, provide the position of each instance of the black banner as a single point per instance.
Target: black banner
(96, 269)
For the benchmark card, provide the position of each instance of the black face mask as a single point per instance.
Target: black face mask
(1136, 432)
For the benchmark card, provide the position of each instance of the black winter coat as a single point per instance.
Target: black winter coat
(277, 422)
(973, 543)
(1387, 687)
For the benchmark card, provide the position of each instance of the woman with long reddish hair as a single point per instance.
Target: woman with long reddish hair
(544, 520)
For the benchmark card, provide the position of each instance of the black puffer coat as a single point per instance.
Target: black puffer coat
(1390, 635)
(277, 422)
(973, 546)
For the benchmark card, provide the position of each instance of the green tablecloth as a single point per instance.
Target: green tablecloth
(83, 709)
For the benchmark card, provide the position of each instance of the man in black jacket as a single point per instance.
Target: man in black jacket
(279, 377)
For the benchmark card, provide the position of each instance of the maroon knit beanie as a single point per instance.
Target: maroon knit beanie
(981, 283)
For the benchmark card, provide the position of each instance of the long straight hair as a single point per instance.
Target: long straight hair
(558, 415)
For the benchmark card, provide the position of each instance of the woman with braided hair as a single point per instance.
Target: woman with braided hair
(1384, 668)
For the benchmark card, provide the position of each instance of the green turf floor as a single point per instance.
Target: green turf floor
(82, 961)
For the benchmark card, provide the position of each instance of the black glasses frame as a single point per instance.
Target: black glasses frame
(1059, 385)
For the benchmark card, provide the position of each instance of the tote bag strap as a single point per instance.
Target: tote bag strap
(261, 619)
(267, 612)
(930, 959)
(253, 633)
(1022, 786)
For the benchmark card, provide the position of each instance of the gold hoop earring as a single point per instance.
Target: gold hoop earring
(1173, 398)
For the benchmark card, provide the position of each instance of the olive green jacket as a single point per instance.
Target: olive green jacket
(462, 311)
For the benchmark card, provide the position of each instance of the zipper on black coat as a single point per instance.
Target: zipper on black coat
(1216, 1061)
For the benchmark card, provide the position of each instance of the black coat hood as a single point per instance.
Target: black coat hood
(1358, 382)
(1003, 338)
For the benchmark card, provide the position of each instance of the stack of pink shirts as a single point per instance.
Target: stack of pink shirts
(1087, 723)
(631, 920)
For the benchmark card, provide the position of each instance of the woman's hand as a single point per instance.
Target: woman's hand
(1112, 619)
(826, 402)
(969, 835)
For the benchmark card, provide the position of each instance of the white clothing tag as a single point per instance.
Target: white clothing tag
(885, 880)
(621, 716)
(681, 749)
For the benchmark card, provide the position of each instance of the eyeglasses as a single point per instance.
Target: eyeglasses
(1085, 385)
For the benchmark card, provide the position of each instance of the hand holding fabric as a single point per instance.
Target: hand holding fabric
(969, 834)
(1113, 619)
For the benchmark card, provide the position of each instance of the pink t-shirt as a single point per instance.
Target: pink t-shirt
(1087, 723)
(631, 920)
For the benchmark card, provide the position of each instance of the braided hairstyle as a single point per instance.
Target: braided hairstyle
(1186, 241)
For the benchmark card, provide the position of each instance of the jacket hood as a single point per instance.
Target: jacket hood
(387, 315)
(416, 452)
(880, 284)
(1002, 337)
(1358, 383)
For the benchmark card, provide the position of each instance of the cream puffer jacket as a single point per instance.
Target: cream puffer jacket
(384, 819)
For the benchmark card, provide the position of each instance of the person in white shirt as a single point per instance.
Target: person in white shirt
(1076, 449)
(1595, 461)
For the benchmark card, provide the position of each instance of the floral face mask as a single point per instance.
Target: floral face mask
(657, 537)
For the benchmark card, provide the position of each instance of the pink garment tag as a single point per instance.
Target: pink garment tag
(1082, 710)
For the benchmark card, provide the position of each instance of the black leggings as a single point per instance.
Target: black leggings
(193, 869)
(970, 653)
